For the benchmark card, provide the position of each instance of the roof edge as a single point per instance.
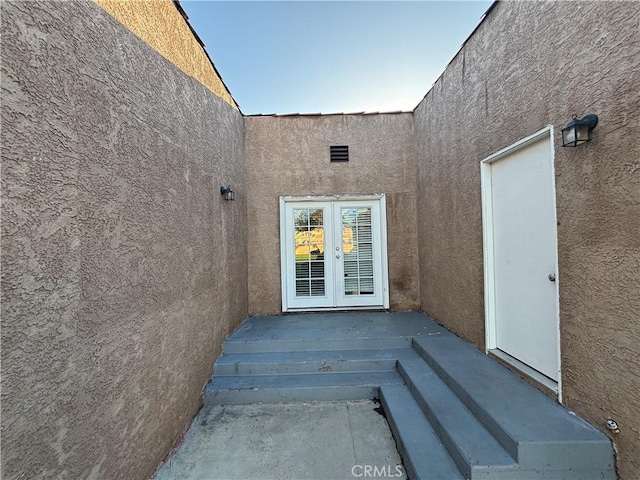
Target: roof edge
(362, 114)
(482, 19)
(184, 15)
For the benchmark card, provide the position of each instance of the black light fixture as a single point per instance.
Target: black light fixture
(228, 193)
(578, 131)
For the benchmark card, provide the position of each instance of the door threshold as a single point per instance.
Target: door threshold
(379, 308)
(524, 371)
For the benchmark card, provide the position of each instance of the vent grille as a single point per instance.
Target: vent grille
(339, 153)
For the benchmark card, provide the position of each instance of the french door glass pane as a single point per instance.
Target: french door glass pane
(309, 251)
(357, 249)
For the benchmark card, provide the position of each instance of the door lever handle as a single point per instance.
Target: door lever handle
(552, 277)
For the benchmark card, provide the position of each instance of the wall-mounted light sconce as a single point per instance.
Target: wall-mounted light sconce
(578, 131)
(228, 193)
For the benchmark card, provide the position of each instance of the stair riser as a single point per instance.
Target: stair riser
(583, 457)
(315, 345)
(537, 474)
(244, 397)
(246, 368)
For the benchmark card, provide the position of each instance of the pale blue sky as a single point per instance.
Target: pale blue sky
(309, 57)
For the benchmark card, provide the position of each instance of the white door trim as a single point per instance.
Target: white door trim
(488, 240)
(333, 198)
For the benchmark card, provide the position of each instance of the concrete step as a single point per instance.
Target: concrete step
(474, 450)
(536, 430)
(329, 331)
(459, 415)
(275, 363)
(423, 454)
(245, 389)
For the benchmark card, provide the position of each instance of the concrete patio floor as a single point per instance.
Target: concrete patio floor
(311, 440)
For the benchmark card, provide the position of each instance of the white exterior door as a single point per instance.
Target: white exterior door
(333, 253)
(521, 254)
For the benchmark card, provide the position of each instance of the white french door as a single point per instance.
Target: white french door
(333, 253)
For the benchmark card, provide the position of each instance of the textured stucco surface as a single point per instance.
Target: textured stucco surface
(160, 24)
(528, 66)
(290, 156)
(122, 268)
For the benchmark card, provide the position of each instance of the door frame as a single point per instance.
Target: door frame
(381, 198)
(491, 341)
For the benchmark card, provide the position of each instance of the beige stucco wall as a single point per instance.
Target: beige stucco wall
(290, 156)
(122, 268)
(531, 64)
(159, 24)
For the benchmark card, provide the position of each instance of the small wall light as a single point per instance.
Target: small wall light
(612, 425)
(578, 131)
(228, 193)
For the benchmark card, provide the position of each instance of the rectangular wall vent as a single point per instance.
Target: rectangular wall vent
(339, 153)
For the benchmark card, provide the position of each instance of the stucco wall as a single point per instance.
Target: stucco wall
(161, 25)
(122, 268)
(290, 156)
(531, 64)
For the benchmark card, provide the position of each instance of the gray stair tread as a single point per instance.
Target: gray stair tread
(363, 342)
(424, 455)
(523, 411)
(330, 331)
(382, 359)
(469, 443)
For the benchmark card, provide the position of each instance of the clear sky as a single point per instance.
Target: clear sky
(325, 57)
